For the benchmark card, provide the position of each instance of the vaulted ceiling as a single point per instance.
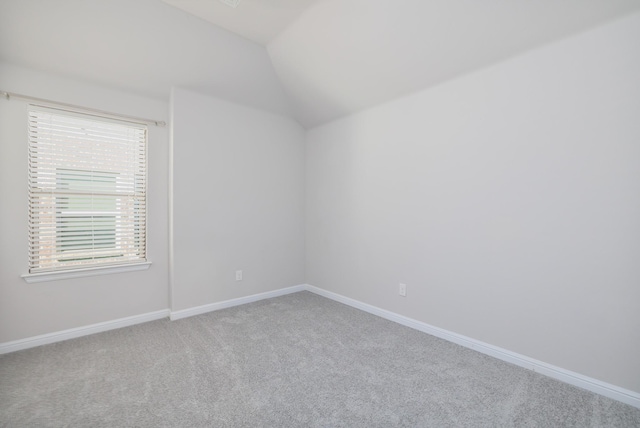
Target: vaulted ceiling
(143, 46)
(315, 60)
(257, 20)
(342, 56)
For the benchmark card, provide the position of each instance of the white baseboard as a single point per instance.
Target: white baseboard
(608, 390)
(59, 336)
(184, 313)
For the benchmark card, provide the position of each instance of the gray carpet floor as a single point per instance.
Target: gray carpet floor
(294, 361)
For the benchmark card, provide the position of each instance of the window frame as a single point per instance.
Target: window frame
(86, 268)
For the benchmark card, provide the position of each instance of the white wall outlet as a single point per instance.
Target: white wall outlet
(402, 290)
(232, 3)
(238, 275)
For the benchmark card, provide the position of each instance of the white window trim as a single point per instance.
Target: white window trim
(79, 273)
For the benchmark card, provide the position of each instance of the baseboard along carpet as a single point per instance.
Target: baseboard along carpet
(299, 360)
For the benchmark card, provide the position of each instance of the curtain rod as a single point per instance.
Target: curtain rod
(80, 109)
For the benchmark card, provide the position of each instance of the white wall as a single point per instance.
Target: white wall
(238, 186)
(342, 56)
(28, 310)
(507, 200)
(142, 46)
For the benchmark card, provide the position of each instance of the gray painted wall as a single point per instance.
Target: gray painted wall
(507, 200)
(238, 185)
(28, 310)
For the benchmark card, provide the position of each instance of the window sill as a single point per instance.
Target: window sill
(78, 273)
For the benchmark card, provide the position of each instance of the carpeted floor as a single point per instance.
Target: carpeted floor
(294, 361)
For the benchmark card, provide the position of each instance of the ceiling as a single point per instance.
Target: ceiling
(141, 46)
(257, 20)
(314, 60)
(342, 56)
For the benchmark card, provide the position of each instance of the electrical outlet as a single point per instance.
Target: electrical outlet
(402, 290)
(232, 3)
(238, 275)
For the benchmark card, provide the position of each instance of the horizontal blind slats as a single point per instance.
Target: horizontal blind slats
(87, 191)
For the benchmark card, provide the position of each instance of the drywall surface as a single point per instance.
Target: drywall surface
(238, 201)
(507, 201)
(342, 56)
(144, 46)
(27, 310)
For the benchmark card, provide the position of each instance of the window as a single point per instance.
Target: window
(87, 191)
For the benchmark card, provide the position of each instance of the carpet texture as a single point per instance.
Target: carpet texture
(294, 361)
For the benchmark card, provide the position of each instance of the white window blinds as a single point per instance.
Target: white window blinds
(87, 191)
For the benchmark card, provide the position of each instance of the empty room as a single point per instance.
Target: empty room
(327, 213)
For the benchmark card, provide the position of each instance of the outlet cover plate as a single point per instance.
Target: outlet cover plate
(232, 3)
(402, 290)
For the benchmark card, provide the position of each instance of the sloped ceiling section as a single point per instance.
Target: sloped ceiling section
(256, 20)
(145, 46)
(342, 56)
(333, 58)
